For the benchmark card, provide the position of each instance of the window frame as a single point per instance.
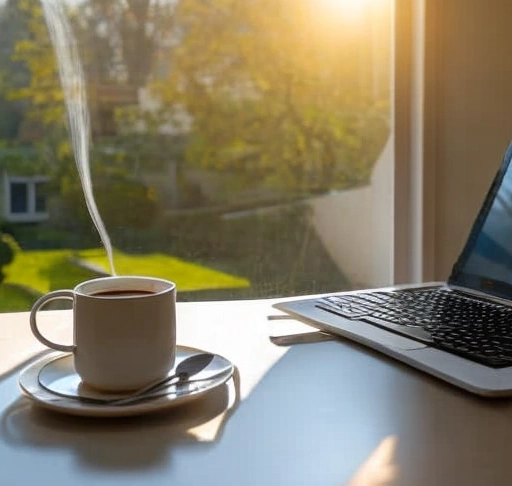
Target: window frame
(31, 215)
(413, 257)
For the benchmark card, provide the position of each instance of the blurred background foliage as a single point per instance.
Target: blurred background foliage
(204, 115)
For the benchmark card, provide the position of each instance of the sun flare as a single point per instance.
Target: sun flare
(350, 10)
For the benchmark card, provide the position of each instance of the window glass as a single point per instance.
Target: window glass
(239, 148)
(19, 197)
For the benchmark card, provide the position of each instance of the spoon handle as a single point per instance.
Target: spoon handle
(187, 368)
(153, 387)
(181, 388)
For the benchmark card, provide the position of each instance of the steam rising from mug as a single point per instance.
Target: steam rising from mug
(73, 85)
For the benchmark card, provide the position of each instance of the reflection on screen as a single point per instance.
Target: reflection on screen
(491, 256)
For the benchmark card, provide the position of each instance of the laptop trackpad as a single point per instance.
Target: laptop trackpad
(370, 335)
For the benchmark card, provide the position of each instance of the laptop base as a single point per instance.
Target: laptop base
(461, 372)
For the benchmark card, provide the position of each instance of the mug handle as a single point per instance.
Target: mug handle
(55, 295)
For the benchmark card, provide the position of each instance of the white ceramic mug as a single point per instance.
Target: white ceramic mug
(124, 330)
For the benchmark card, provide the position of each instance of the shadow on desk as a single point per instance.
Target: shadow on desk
(123, 444)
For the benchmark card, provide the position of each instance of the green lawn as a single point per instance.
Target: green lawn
(188, 276)
(45, 270)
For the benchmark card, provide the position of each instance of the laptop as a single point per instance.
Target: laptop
(460, 330)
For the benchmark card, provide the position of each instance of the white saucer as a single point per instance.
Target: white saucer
(55, 371)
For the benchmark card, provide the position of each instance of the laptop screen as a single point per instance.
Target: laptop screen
(485, 263)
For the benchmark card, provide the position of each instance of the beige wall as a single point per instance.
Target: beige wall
(468, 114)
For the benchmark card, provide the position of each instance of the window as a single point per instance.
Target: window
(243, 149)
(19, 197)
(26, 199)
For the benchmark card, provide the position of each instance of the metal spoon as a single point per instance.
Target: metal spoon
(184, 371)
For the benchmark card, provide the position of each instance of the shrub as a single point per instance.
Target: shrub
(7, 227)
(8, 248)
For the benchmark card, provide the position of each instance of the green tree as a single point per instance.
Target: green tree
(42, 89)
(115, 39)
(275, 92)
(113, 171)
(272, 93)
(12, 73)
(120, 38)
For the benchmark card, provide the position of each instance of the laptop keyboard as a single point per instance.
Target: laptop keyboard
(467, 326)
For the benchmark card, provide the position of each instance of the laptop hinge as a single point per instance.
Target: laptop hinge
(478, 294)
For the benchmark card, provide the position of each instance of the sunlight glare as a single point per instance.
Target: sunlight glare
(380, 468)
(351, 11)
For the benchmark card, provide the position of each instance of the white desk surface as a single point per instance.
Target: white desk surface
(329, 413)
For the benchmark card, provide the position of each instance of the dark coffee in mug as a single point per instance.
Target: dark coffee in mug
(122, 293)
